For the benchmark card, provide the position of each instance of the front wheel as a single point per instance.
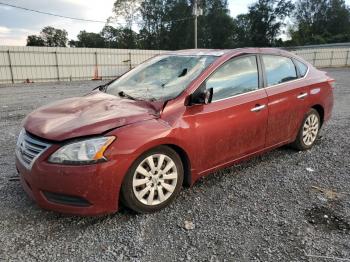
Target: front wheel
(308, 131)
(153, 180)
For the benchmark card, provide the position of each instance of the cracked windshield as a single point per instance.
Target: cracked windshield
(161, 78)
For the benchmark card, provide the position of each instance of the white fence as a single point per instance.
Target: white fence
(42, 64)
(326, 57)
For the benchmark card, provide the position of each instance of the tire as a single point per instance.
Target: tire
(148, 189)
(308, 132)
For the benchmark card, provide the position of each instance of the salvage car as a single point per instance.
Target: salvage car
(164, 124)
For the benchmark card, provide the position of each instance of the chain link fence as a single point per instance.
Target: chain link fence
(44, 64)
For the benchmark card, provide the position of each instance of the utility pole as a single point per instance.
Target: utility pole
(195, 12)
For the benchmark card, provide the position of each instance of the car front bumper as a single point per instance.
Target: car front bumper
(86, 190)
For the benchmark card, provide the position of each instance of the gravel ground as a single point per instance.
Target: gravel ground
(282, 206)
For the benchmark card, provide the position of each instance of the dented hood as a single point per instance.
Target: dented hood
(88, 115)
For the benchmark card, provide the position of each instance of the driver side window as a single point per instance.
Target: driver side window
(237, 76)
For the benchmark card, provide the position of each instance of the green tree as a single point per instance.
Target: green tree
(168, 24)
(179, 25)
(127, 10)
(310, 18)
(321, 21)
(34, 40)
(217, 25)
(111, 36)
(120, 37)
(338, 17)
(242, 31)
(266, 20)
(49, 36)
(86, 39)
(54, 37)
(153, 24)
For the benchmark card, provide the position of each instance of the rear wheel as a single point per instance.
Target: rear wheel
(153, 180)
(308, 131)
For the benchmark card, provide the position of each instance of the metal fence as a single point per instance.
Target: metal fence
(43, 64)
(326, 57)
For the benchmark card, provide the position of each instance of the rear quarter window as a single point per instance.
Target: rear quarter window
(301, 67)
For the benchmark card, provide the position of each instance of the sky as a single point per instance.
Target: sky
(16, 25)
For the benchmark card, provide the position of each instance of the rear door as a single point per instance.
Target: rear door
(234, 123)
(287, 98)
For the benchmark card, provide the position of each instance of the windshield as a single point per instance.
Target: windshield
(161, 78)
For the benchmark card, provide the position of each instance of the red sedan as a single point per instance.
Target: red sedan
(173, 119)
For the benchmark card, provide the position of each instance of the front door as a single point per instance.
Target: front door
(234, 123)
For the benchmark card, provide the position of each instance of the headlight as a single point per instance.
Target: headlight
(20, 137)
(83, 152)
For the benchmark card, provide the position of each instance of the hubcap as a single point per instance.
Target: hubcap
(155, 179)
(310, 129)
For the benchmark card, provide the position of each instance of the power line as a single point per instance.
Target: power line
(75, 18)
(46, 13)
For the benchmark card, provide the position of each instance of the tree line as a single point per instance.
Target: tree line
(168, 25)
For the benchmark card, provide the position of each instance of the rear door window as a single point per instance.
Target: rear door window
(279, 69)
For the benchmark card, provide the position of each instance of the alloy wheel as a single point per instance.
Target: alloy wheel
(155, 179)
(310, 129)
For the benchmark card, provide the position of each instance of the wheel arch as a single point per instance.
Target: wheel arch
(185, 161)
(182, 153)
(320, 110)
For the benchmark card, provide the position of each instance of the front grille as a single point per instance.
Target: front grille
(29, 148)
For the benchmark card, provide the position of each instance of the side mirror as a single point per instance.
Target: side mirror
(200, 98)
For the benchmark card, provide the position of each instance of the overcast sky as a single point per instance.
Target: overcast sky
(16, 25)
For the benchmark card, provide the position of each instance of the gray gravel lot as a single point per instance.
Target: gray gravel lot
(282, 206)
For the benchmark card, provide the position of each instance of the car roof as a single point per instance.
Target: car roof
(221, 52)
(211, 52)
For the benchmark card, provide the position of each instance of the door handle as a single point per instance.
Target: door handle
(258, 108)
(302, 96)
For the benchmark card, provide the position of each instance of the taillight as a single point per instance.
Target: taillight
(331, 83)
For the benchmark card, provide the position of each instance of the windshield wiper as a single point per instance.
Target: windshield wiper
(123, 94)
(101, 87)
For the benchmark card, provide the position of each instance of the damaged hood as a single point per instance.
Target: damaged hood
(88, 115)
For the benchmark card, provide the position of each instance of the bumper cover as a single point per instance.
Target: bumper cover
(98, 184)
